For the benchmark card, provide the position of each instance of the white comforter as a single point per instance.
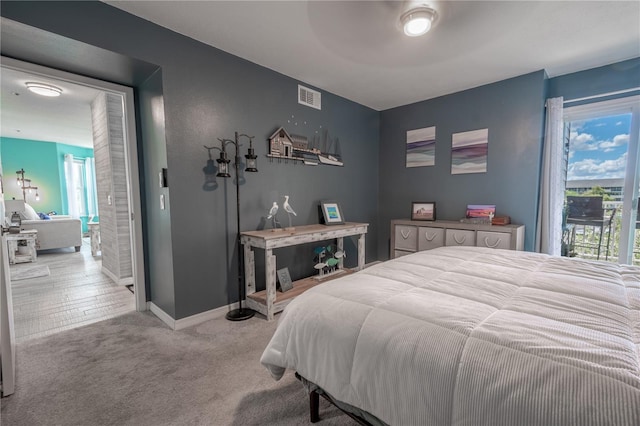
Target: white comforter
(472, 336)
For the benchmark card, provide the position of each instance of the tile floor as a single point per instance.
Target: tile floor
(75, 293)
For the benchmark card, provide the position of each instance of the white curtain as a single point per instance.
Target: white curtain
(70, 178)
(90, 185)
(549, 234)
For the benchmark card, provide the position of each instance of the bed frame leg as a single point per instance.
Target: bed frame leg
(314, 407)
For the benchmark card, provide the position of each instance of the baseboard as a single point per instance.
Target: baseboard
(116, 280)
(191, 320)
(204, 316)
(109, 274)
(164, 317)
(126, 281)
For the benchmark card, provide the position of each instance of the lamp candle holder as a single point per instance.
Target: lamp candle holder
(223, 161)
(25, 185)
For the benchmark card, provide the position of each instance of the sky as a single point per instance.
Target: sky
(598, 147)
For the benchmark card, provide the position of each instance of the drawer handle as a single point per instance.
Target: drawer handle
(464, 237)
(426, 235)
(486, 242)
(407, 234)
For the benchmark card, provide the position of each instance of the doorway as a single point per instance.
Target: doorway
(131, 200)
(601, 191)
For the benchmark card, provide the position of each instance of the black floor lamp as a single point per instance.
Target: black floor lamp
(241, 313)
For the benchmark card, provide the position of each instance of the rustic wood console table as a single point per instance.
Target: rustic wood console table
(268, 302)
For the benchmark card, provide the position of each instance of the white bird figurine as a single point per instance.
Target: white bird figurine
(288, 209)
(272, 215)
(273, 211)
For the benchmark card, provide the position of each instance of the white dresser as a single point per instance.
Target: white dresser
(409, 236)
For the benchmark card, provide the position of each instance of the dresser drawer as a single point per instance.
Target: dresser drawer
(406, 237)
(430, 238)
(500, 240)
(417, 235)
(460, 237)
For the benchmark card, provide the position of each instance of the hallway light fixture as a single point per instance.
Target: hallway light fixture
(418, 21)
(43, 89)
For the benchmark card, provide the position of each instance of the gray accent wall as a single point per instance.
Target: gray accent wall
(209, 94)
(512, 110)
(158, 244)
(190, 94)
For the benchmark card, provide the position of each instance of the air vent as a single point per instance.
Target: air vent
(309, 97)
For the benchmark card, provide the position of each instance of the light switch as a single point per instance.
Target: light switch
(162, 178)
(109, 199)
(161, 201)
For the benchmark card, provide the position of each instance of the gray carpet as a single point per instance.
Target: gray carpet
(133, 370)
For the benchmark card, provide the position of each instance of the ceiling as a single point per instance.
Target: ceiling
(356, 49)
(25, 115)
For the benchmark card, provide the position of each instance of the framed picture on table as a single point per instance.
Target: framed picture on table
(284, 279)
(481, 211)
(331, 213)
(421, 210)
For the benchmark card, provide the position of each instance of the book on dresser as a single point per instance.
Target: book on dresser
(409, 236)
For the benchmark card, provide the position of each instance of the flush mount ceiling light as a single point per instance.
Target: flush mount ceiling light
(44, 89)
(418, 21)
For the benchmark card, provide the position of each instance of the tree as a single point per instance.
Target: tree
(599, 191)
(596, 191)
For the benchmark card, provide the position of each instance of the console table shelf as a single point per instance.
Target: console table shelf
(269, 302)
(258, 299)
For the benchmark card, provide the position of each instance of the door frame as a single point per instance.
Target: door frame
(131, 160)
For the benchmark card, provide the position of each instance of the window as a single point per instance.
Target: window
(80, 192)
(602, 161)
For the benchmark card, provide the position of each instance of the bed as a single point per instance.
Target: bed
(471, 336)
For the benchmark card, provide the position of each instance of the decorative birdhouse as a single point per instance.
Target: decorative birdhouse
(281, 144)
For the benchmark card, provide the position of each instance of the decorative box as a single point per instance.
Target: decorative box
(501, 220)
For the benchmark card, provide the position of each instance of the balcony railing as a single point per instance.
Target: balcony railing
(586, 239)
